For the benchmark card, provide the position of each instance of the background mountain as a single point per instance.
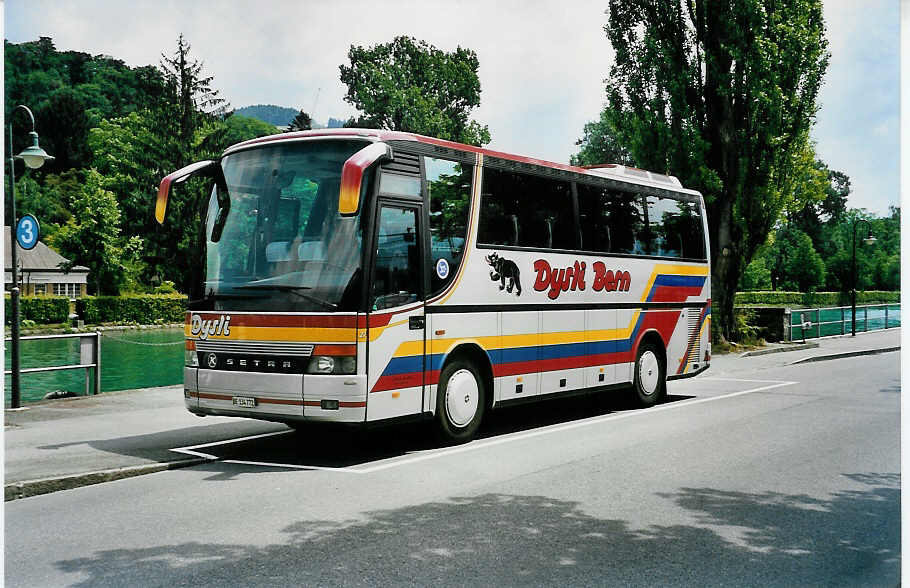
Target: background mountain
(280, 116)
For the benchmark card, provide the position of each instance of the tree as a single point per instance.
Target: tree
(192, 97)
(92, 237)
(134, 152)
(756, 276)
(242, 128)
(599, 145)
(818, 217)
(64, 124)
(722, 95)
(301, 122)
(409, 85)
(796, 265)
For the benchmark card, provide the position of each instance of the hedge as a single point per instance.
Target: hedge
(814, 299)
(41, 309)
(144, 309)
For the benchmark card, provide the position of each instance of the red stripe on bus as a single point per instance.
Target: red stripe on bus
(376, 320)
(208, 396)
(674, 293)
(396, 381)
(564, 363)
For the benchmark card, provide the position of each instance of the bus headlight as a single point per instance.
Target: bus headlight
(327, 364)
(333, 359)
(322, 364)
(190, 359)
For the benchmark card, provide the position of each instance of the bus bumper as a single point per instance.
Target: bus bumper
(276, 397)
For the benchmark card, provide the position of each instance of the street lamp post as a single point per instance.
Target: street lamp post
(868, 240)
(34, 157)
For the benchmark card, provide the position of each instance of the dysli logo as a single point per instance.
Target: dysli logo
(206, 328)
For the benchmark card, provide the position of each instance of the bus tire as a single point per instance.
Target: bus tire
(650, 375)
(460, 401)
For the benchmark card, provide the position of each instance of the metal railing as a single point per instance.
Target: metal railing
(89, 358)
(813, 323)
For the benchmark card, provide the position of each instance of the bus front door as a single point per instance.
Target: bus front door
(396, 320)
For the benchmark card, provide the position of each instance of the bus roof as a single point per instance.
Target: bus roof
(612, 171)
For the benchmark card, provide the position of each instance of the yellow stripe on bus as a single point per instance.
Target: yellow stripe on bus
(305, 334)
(495, 342)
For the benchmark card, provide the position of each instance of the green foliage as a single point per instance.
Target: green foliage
(166, 287)
(756, 276)
(409, 85)
(301, 122)
(92, 237)
(599, 145)
(42, 310)
(191, 96)
(134, 152)
(240, 128)
(69, 92)
(745, 331)
(817, 299)
(796, 264)
(877, 264)
(721, 95)
(141, 309)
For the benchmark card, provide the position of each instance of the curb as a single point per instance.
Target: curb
(27, 488)
(789, 347)
(845, 354)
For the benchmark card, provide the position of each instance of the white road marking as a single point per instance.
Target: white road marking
(429, 454)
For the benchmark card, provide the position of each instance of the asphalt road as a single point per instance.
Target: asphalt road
(785, 476)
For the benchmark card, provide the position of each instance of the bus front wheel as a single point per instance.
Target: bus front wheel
(649, 379)
(460, 401)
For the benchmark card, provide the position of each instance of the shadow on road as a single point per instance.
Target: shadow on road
(326, 446)
(739, 539)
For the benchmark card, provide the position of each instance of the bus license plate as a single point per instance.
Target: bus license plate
(244, 402)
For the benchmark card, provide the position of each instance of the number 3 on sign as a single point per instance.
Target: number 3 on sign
(27, 232)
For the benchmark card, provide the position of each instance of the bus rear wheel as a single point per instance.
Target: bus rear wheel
(460, 401)
(650, 377)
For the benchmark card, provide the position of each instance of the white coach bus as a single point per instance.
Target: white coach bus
(358, 276)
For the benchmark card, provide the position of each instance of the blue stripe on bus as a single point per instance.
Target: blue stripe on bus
(409, 364)
(675, 281)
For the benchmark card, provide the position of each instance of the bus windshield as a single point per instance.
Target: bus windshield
(283, 246)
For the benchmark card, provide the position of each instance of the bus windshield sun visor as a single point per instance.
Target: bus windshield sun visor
(352, 175)
(210, 168)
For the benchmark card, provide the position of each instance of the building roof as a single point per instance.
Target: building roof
(40, 258)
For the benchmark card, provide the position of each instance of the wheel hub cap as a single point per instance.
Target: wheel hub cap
(462, 397)
(649, 372)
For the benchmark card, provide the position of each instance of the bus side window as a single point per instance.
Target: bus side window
(449, 196)
(626, 222)
(525, 210)
(676, 228)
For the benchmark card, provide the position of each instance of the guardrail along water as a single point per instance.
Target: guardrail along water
(130, 359)
(812, 323)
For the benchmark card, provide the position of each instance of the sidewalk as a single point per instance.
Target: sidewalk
(60, 444)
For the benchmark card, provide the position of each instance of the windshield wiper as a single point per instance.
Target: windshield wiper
(296, 290)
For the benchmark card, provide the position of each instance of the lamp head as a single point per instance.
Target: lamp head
(870, 239)
(34, 156)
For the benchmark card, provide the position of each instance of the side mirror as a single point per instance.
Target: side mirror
(352, 175)
(207, 167)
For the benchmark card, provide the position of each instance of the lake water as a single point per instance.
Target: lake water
(133, 358)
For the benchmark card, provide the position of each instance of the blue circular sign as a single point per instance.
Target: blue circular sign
(27, 232)
(442, 268)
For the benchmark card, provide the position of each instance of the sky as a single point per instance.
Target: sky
(542, 63)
